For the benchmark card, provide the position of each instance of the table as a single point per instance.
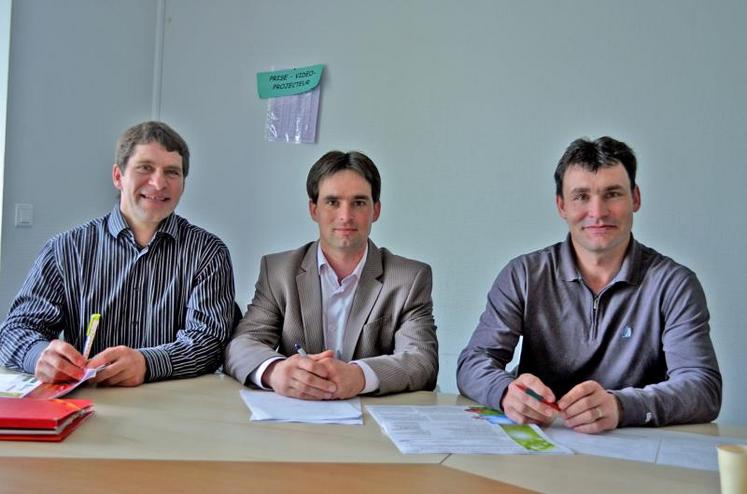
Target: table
(194, 435)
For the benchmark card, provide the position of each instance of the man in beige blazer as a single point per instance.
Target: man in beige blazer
(338, 317)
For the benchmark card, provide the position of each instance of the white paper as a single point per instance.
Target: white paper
(663, 447)
(17, 385)
(609, 444)
(453, 429)
(267, 406)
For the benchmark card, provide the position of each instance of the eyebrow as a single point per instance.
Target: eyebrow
(354, 198)
(606, 189)
(147, 161)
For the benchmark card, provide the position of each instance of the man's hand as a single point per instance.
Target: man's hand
(60, 362)
(524, 409)
(125, 367)
(348, 378)
(589, 408)
(301, 377)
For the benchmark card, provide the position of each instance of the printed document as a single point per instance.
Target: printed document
(461, 430)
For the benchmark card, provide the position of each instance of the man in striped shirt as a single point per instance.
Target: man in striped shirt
(164, 288)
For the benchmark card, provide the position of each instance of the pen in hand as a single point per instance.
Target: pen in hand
(300, 350)
(537, 397)
(93, 325)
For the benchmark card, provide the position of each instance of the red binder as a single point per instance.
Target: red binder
(24, 419)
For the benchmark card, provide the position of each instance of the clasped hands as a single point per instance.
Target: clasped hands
(61, 362)
(587, 407)
(318, 376)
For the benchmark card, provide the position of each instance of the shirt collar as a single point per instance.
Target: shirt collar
(567, 269)
(321, 261)
(629, 270)
(117, 224)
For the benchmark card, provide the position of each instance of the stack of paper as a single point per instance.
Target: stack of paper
(26, 419)
(272, 407)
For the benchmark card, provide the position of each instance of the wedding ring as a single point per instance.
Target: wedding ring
(598, 413)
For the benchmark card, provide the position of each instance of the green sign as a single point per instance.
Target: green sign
(287, 82)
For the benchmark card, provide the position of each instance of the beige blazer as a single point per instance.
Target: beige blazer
(390, 326)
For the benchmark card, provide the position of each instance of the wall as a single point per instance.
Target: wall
(464, 106)
(80, 72)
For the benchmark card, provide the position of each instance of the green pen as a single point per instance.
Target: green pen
(537, 397)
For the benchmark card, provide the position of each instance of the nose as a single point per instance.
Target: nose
(158, 179)
(597, 207)
(345, 211)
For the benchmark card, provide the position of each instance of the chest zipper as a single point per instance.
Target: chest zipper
(595, 316)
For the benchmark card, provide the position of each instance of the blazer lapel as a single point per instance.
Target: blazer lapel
(365, 297)
(310, 298)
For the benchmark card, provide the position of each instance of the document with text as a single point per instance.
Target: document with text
(460, 430)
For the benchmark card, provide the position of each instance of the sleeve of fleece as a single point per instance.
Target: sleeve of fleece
(692, 391)
(481, 368)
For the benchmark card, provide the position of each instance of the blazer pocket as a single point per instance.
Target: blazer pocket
(377, 337)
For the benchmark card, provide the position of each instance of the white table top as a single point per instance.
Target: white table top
(205, 419)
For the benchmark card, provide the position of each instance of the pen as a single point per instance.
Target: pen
(93, 325)
(301, 351)
(537, 397)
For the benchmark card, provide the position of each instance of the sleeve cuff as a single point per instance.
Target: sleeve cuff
(634, 410)
(256, 375)
(372, 380)
(157, 364)
(32, 356)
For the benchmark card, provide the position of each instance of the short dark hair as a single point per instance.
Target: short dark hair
(593, 155)
(146, 132)
(337, 161)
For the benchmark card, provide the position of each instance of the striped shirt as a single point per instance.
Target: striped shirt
(172, 299)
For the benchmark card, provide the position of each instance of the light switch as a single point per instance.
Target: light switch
(24, 215)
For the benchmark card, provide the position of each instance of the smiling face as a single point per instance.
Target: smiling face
(151, 184)
(344, 211)
(598, 207)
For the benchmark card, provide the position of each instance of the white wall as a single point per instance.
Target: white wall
(464, 106)
(80, 72)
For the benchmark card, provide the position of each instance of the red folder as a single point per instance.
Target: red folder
(23, 419)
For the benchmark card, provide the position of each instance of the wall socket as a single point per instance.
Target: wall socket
(24, 215)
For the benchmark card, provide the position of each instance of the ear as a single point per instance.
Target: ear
(117, 176)
(636, 199)
(313, 211)
(376, 211)
(560, 204)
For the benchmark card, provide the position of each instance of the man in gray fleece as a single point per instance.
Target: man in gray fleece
(614, 333)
